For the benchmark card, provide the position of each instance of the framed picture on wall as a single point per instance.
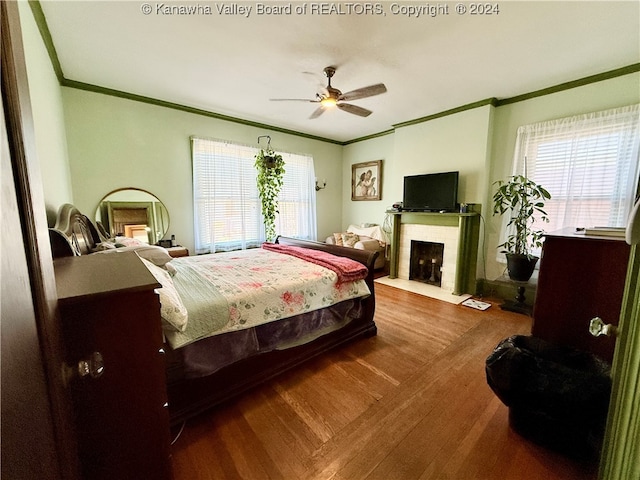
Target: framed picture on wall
(366, 180)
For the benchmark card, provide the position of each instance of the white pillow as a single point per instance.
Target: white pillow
(102, 246)
(173, 312)
(170, 268)
(155, 254)
(129, 242)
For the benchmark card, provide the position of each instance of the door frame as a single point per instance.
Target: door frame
(621, 452)
(29, 207)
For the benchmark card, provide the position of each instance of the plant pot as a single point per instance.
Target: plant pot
(521, 266)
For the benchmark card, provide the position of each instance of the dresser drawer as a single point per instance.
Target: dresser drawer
(121, 412)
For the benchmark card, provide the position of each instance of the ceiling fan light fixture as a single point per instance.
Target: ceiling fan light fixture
(328, 102)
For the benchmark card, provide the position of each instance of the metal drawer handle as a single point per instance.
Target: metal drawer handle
(91, 367)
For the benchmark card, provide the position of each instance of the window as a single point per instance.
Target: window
(589, 164)
(227, 213)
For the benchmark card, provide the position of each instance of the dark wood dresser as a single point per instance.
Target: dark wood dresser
(108, 305)
(581, 277)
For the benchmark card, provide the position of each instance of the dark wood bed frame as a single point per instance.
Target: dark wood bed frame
(75, 234)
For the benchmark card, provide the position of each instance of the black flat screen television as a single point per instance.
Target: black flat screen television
(431, 192)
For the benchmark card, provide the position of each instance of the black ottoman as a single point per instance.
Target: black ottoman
(557, 396)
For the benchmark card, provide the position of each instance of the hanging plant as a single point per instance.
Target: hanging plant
(270, 166)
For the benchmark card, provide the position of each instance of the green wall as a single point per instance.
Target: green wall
(116, 142)
(616, 92)
(369, 211)
(48, 116)
(479, 142)
(453, 142)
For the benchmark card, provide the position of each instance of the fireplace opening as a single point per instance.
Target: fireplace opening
(426, 262)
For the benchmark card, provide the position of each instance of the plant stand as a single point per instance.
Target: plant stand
(517, 305)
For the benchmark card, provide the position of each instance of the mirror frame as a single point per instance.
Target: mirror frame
(158, 219)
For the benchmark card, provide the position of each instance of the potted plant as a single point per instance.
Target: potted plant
(270, 168)
(521, 198)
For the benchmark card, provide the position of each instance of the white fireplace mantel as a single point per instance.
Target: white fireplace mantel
(461, 230)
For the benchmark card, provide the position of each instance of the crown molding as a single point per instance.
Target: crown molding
(618, 72)
(183, 108)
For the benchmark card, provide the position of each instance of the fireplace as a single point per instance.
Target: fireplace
(426, 262)
(446, 259)
(456, 263)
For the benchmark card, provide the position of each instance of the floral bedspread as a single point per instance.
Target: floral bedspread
(230, 291)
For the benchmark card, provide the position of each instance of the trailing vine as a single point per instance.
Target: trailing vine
(270, 166)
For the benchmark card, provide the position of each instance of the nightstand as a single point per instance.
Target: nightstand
(178, 251)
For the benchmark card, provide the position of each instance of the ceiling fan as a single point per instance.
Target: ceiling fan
(332, 97)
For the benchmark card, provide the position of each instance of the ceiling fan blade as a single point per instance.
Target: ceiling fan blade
(317, 112)
(347, 107)
(364, 92)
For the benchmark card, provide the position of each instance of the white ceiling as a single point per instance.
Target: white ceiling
(233, 65)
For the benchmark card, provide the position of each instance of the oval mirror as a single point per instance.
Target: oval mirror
(132, 212)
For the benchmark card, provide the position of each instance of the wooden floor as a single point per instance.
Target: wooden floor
(410, 403)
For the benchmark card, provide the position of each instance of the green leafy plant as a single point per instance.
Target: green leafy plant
(270, 168)
(521, 198)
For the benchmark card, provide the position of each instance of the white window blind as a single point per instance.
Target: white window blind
(227, 213)
(588, 163)
(297, 200)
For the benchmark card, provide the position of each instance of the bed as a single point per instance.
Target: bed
(235, 350)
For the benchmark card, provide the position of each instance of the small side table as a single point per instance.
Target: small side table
(178, 251)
